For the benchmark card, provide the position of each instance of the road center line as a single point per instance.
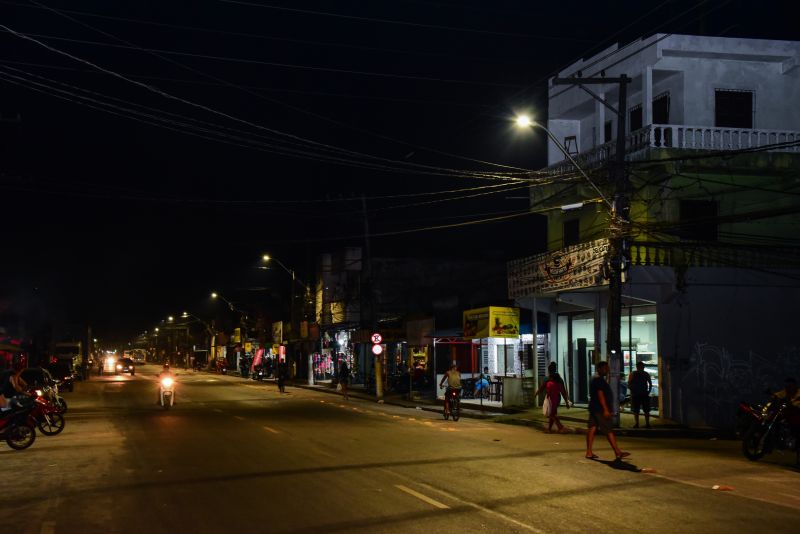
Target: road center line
(239, 417)
(48, 527)
(421, 497)
(217, 410)
(271, 430)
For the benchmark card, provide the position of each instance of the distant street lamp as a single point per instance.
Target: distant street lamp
(268, 258)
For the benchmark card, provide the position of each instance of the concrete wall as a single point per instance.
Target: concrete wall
(732, 335)
(690, 68)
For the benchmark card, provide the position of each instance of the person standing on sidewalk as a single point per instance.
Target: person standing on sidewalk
(640, 385)
(600, 399)
(344, 378)
(555, 389)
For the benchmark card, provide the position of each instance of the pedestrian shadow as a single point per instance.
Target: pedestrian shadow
(619, 465)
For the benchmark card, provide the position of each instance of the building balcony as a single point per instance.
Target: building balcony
(683, 137)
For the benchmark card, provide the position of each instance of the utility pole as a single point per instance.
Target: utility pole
(373, 319)
(618, 229)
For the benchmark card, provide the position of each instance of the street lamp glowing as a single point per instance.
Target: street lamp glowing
(170, 318)
(185, 315)
(156, 330)
(265, 257)
(214, 295)
(524, 121)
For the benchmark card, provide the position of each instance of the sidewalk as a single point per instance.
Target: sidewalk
(574, 418)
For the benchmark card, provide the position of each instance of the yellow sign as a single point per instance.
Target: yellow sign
(492, 321)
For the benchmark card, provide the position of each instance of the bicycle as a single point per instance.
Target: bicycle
(452, 404)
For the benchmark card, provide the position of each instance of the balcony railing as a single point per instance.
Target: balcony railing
(693, 254)
(685, 137)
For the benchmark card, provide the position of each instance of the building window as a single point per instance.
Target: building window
(661, 109)
(572, 232)
(607, 132)
(733, 109)
(698, 220)
(635, 118)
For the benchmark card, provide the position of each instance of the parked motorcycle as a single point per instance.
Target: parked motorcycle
(166, 392)
(15, 425)
(46, 416)
(768, 429)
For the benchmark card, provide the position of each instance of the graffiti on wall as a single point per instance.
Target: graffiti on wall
(718, 379)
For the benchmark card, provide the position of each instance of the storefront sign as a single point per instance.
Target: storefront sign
(492, 321)
(574, 267)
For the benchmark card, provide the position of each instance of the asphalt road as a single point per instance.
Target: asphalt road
(236, 456)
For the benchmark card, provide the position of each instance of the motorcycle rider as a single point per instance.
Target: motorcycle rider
(453, 379)
(165, 373)
(11, 385)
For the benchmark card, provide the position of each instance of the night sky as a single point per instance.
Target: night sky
(221, 130)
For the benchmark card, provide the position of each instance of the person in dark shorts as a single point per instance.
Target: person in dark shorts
(600, 400)
(640, 385)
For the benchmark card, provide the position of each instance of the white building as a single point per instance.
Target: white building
(713, 267)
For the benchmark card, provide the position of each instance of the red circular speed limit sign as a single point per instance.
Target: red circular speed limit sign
(376, 349)
(376, 338)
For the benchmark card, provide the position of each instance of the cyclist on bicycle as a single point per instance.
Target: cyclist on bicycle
(453, 378)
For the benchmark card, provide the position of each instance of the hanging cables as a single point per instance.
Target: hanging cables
(315, 144)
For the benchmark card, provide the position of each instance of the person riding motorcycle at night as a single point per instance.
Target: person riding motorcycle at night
(165, 373)
(791, 394)
(453, 379)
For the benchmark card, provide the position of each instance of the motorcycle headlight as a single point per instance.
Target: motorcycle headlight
(167, 382)
(39, 392)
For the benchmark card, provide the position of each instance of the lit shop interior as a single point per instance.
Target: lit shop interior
(575, 347)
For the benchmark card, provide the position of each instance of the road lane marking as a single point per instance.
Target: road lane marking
(239, 417)
(48, 527)
(271, 430)
(421, 497)
(217, 410)
(485, 510)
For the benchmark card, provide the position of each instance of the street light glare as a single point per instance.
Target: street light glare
(524, 121)
(170, 318)
(214, 295)
(265, 257)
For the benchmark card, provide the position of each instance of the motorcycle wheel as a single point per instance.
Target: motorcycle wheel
(456, 409)
(445, 413)
(21, 437)
(754, 443)
(61, 404)
(51, 424)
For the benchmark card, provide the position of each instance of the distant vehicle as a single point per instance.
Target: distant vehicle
(125, 365)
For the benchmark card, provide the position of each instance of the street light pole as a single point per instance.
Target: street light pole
(619, 226)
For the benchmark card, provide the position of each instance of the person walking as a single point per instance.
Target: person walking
(555, 389)
(640, 386)
(283, 374)
(344, 378)
(600, 399)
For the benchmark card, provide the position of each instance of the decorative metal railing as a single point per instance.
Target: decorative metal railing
(688, 138)
(695, 254)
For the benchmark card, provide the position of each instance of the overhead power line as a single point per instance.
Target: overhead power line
(208, 109)
(404, 23)
(293, 66)
(216, 31)
(258, 95)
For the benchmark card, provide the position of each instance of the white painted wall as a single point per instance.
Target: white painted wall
(690, 68)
